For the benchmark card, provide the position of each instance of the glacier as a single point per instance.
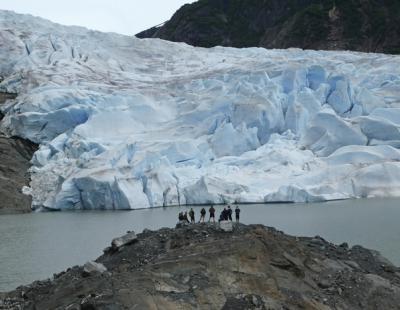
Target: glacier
(126, 123)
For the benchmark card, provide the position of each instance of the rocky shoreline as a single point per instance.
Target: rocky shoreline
(202, 266)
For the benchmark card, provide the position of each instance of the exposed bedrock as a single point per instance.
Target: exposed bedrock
(203, 267)
(15, 156)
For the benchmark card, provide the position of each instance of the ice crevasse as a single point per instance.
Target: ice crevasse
(125, 123)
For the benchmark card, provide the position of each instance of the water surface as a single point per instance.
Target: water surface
(34, 246)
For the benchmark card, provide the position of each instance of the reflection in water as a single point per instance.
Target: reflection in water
(34, 246)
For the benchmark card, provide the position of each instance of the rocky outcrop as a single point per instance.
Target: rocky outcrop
(361, 25)
(120, 242)
(15, 156)
(202, 267)
(91, 268)
(4, 96)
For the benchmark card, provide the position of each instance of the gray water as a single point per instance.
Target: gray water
(34, 246)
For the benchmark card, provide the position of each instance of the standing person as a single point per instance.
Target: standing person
(185, 217)
(203, 215)
(212, 213)
(237, 213)
(229, 213)
(191, 214)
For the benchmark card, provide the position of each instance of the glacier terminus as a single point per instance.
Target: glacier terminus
(126, 123)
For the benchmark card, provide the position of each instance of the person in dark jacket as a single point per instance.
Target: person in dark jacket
(237, 214)
(223, 216)
(202, 215)
(191, 214)
(212, 213)
(229, 213)
(185, 217)
(226, 214)
(180, 217)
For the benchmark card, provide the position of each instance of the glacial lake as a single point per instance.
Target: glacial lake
(34, 246)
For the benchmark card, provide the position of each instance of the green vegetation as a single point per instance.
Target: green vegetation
(366, 25)
(311, 24)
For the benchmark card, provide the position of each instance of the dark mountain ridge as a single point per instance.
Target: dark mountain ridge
(359, 25)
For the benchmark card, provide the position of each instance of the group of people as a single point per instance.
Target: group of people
(226, 215)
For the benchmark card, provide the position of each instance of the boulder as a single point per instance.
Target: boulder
(226, 226)
(181, 224)
(93, 267)
(129, 238)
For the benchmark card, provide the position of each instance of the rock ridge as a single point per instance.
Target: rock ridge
(367, 26)
(202, 267)
(15, 156)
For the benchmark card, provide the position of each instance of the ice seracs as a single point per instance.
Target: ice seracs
(125, 123)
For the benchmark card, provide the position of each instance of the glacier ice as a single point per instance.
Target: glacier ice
(125, 123)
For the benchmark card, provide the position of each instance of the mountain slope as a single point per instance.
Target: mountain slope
(15, 155)
(130, 123)
(369, 26)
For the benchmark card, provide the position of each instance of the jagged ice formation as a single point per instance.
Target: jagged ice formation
(127, 123)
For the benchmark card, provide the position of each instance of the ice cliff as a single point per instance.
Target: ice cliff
(128, 123)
